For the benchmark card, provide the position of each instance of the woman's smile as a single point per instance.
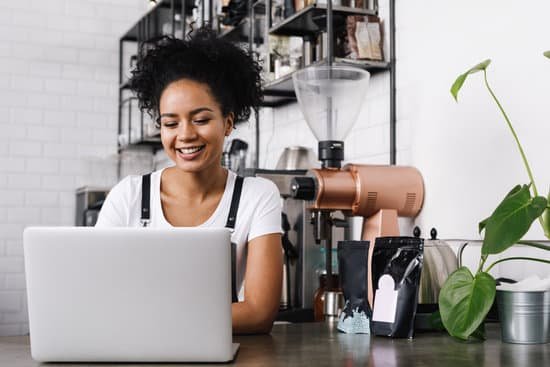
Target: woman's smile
(190, 153)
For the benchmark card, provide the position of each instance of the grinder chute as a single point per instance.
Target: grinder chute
(330, 98)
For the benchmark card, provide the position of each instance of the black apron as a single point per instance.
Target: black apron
(230, 224)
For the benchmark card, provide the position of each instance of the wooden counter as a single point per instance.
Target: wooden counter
(317, 344)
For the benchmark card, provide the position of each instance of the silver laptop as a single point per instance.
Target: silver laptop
(129, 294)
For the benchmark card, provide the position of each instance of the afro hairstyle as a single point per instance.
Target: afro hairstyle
(231, 73)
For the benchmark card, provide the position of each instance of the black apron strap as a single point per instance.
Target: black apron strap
(145, 199)
(232, 217)
(231, 220)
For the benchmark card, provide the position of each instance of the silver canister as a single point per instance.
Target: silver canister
(524, 316)
(334, 302)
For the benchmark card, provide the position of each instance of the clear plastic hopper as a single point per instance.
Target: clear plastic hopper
(330, 98)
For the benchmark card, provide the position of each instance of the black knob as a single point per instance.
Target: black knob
(302, 188)
(433, 233)
(416, 232)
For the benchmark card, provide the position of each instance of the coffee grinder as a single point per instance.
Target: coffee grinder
(330, 98)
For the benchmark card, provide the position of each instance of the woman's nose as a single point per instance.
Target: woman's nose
(186, 131)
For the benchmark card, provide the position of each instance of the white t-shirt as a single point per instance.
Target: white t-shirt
(259, 211)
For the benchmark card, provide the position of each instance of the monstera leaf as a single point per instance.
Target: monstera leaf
(455, 88)
(483, 223)
(546, 215)
(511, 219)
(465, 300)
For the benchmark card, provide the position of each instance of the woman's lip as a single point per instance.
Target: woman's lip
(189, 157)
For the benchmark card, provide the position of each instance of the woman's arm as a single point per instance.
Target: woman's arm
(262, 287)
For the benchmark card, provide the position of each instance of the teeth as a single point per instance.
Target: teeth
(190, 150)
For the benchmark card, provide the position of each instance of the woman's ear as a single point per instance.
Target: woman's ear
(229, 123)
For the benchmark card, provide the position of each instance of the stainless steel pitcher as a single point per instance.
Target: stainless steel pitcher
(439, 262)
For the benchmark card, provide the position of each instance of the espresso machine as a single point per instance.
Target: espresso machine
(330, 98)
(303, 259)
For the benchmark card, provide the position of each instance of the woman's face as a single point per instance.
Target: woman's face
(192, 127)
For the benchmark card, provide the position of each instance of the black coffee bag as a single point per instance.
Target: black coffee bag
(396, 268)
(353, 267)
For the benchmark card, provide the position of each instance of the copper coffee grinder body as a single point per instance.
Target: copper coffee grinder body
(378, 193)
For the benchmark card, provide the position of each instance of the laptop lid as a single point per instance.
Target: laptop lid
(129, 294)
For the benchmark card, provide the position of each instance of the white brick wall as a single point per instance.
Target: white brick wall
(58, 108)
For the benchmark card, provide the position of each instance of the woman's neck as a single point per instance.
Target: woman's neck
(196, 185)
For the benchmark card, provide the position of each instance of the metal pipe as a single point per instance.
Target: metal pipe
(250, 26)
(202, 12)
(210, 13)
(268, 20)
(147, 27)
(183, 16)
(257, 141)
(119, 148)
(129, 122)
(330, 34)
(328, 246)
(330, 55)
(393, 96)
(173, 16)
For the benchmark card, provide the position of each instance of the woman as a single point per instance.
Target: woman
(197, 89)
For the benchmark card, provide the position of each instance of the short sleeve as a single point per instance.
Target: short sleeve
(267, 214)
(115, 210)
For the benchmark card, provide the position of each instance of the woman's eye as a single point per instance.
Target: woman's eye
(201, 121)
(169, 124)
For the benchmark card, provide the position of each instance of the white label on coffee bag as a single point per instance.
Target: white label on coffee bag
(385, 300)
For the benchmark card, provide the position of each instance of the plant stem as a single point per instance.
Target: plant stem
(535, 244)
(516, 258)
(535, 191)
(482, 261)
(513, 133)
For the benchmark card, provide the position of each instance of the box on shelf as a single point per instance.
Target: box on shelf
(364, 38)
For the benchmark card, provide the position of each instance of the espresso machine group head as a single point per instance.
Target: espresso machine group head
(330, 98)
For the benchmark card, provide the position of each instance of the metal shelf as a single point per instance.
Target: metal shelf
(125, 85)
(152, 144)
(312, 20)
(239, 33)
(280, 92)
(133, 33)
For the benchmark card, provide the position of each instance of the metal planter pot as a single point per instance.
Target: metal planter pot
(524, 316)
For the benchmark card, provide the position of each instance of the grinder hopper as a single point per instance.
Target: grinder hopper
(330, 98)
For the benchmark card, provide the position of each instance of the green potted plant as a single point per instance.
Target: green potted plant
(466, 298)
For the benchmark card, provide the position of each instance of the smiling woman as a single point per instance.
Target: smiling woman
(197, 89)
(192, 125)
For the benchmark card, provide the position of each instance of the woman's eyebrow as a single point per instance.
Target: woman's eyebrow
(200, 109)
(192, 112)
(168, 115)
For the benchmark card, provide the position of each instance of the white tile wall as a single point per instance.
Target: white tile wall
(58, 85)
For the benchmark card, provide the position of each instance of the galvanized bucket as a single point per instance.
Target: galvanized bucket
(524, 316)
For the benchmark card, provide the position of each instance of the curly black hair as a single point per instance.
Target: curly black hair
(231, 73)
